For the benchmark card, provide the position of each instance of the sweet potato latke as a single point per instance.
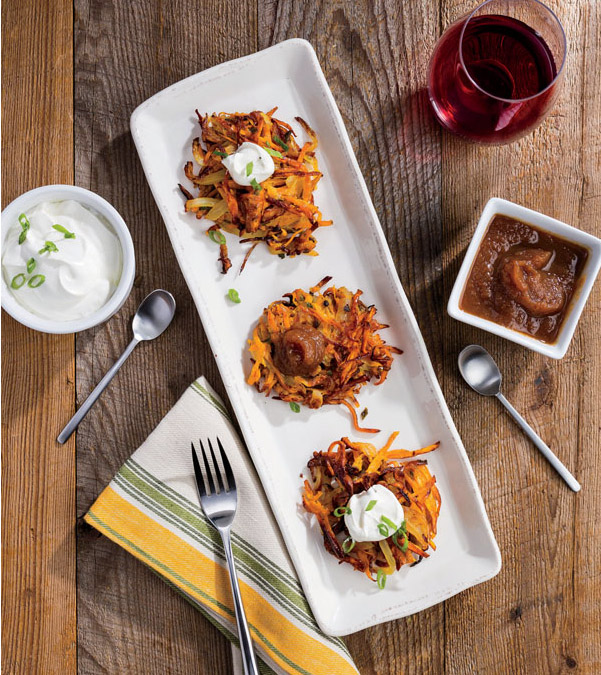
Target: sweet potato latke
(349, 468)
(315, 348)
(281, 212)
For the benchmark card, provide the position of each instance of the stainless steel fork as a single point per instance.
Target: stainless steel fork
(219, 501)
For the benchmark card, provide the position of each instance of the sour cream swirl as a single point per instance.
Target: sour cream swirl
(364, 521)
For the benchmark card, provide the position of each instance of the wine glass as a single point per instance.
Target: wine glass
(496, 73)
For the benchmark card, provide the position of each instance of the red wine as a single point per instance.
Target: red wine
(491, 96)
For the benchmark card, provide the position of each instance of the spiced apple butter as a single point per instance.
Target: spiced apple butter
(300, 350)
(523, 278)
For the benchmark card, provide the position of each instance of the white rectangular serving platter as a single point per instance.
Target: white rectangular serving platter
(354, 252)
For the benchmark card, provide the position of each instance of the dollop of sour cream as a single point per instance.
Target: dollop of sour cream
(249, 163)
(363, 525)
(68, 265)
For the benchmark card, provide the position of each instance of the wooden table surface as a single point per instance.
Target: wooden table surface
(72, 73)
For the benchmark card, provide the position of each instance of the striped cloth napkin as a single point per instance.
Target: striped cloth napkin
(151, 509)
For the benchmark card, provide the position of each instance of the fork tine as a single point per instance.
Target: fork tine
(208, 470)
(217, 469)
(200, 483)
(231, 481)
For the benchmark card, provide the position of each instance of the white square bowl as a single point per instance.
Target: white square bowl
(557, 349)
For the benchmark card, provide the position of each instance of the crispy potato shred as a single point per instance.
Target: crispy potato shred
(348, 468)
(282, 212)
(353, 352)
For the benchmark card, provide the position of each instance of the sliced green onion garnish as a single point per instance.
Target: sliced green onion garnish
(295, 407)
(383, 530)
(381, 580)
(219, 153)
(280, 142)
(217, 236)
(255, 184)
(49, 246)
(395, 540)
(341, 511)
(371, 505)
(273, 153)
(22, 237)
(65, 231)
(348, 544)
(18, 281)
(24, 221)
(232, 294)
(389, 522)
(30, 265)
(36, 280)
(249, 168)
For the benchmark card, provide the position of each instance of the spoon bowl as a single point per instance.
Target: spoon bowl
(480, 371)
(154, 315)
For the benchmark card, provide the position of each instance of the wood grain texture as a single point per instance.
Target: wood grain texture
(128, 619)
(38, 475)
(542, 612)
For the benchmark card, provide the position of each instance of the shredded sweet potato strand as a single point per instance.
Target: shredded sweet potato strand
(348, 468)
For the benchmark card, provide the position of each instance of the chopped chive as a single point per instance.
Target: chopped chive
(36, 281)
(280, 142)
(295, 407)
(249, 168)
(22, 237)
(389, 522)
(219, 153)
(30, 265)
(255, 184)
(65, 231)
(381, 579)
(217, 236)
(18, 281)
(383, 530)
(49, 246)
(232, 294)
(371, 504)
(348, 544)
(274, 153)
(341, 511)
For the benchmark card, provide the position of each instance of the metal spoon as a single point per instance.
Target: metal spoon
(152, 318)
(483, 375)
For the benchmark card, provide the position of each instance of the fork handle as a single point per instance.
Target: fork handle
(246, 645)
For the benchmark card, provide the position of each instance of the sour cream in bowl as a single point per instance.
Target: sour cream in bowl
(67, 259)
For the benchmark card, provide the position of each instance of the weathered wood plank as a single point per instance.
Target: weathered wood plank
(38, 475)
(541, 611)
(129, 620)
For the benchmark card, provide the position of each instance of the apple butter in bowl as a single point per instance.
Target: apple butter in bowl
(523, 278)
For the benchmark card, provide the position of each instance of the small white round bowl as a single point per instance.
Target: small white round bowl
(58, 193)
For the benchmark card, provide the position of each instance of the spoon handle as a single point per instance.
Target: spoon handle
(545, 449)
(73, 423)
